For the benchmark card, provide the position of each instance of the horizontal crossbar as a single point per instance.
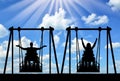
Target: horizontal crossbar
(42, 28)
(99, 28)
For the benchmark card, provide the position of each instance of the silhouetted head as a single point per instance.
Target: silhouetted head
(31, 44)
(88, 45)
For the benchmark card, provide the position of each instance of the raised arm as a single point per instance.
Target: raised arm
(20, 47)
(83, 43)
(41, 47)
(94, 43)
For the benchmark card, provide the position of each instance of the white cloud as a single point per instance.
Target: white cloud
(93, 19)
(73, 47)
(46, 64)
(114, 45)
(3, 50)
(53, 67)
(25, 43)
(114, 4)
(73, 44)
(3, 47)
(58, 20)
(3, 31)
(46, 57)
(118, 65)
(57, 38)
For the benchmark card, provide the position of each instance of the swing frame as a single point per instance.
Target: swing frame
(79, 65)
(11, 41)
(108, 39)
(22, 63)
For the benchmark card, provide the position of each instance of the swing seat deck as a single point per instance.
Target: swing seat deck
(91, 68)
(88, 69)
(31, 68)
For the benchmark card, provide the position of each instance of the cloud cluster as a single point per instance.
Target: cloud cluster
(25, 43)
(58, 20)
(114, 4)
(57, 38)
(3, 47)
(3, 50)
(93, 19)
(118, 65)
(73, 44)
(3, 31)
(114, 45)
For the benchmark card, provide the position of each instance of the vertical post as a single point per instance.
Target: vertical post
(112, 51)
(107, 51)
(54, 50)
(41, 59)
(50, 51)
(69, 51)
(99, 47)
(7, 52)
(12, 49)
(76, 48)
(19, 49)
(68, 33)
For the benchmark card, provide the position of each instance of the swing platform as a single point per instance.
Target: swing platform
(62, 77)
(88, 69)
(31, 68)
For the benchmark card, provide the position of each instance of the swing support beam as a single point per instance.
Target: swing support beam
(69, 29)
(11, 38)
(99, 28)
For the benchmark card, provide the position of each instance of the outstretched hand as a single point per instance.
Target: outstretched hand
(96, 39)
(18, 45)
(45, 46)
(81, 38)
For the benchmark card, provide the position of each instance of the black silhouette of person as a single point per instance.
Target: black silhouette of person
(31, 53)
(88, 55)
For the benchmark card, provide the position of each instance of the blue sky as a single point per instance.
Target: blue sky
(60, 14)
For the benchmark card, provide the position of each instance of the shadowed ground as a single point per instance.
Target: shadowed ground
(60, 77)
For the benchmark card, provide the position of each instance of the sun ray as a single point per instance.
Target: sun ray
(76, 9)
(92, 5)
(57, 5)
(83, 4)
(32, 21)
(35, 9)
(61, 5)
(102, 7)
(51, 6)
(13, 10)
(18, 5)
(26, 13)
(68, 9)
